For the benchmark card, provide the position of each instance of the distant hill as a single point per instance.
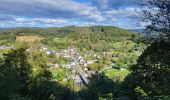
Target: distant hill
(136, 30)
(94, 37)
(70, 32)
(3, 29)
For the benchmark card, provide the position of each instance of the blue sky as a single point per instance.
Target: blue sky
(58, 13)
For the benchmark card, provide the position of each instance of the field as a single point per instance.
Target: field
(115, 73)
(28, 39)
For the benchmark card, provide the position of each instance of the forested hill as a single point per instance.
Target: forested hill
(89, 37)
(71, 31)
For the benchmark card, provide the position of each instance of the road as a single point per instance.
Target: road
(80, 76)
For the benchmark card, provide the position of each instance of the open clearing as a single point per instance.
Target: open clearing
(28, 39)
(112, 73)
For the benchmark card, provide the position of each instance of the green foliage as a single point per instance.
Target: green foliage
(7, 38)
(116, 74)
(152, 71)
(140, 91)
(101, 88)
(15, 74)
(115, 46)
(37, 58)
(43, 88)
(20, 81)
(60, 43)
(94, 67)
(58, 74)
(126, 53)
(61, 60)
(73, 36)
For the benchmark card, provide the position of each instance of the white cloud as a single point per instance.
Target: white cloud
(125, 11)
(40, 20)
(50, 9)
(65, 12)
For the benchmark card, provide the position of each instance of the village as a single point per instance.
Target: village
(78, 65)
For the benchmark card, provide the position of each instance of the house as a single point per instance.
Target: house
(113, 64)
(85, 69)
(90, 61)
(53, 65)
(73, 64)
(44, 49)
(66, 56)
(48, 52)
(79, 58)
(5, 47)
(27, 50)
(66, 66)
(65, 51)
(81, 61)
(95, 55)
(85, 65)
(123, 69)
(57, 54)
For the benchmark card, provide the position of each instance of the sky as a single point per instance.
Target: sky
(59, 13)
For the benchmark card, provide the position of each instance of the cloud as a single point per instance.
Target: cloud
(53, 13)
(49, 9)
(4, 17)
(40, 20)
(110, 4)
(127, 11)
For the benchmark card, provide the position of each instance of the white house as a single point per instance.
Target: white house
(48, 52)
(66, 66)
(73, 64)
(85, 64)
(90, 61)
(54, 65)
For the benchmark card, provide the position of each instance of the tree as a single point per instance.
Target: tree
(158, 15)
(18, 80)
(150, 77)
(15, 74)
(101, 87)
(37, 58)
(102, 30)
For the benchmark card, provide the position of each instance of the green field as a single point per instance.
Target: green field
(115, 73)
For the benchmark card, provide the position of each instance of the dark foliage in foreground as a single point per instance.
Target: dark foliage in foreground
(150, 77)
(18, 83)
(101, 87)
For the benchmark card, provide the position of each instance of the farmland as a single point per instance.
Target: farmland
(28, 39)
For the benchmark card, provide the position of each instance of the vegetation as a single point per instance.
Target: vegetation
(124, 65)
(151, 73)
(45, 80)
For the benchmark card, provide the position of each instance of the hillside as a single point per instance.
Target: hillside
(65, 30)
(136, 30)
(77, 52)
